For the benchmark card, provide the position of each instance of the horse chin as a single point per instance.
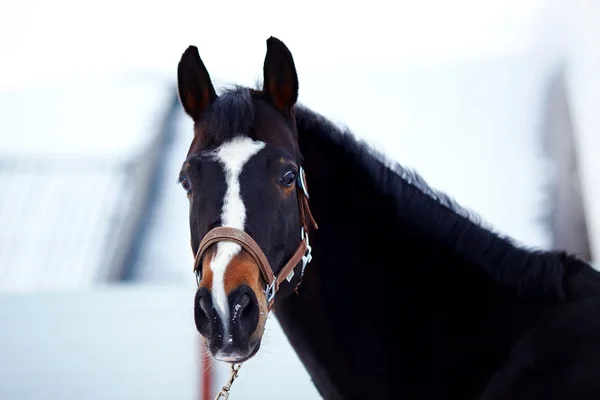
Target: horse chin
(237, 357)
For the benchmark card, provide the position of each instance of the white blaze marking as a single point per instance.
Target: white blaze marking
(233, 156)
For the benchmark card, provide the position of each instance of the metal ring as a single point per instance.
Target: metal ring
(198, 278)
(270, 291)
(301, 182)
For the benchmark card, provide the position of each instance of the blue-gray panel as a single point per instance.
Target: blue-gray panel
(127, 342)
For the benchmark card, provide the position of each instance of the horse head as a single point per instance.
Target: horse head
(249, 216)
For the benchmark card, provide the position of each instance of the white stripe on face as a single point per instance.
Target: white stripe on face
(232, 156)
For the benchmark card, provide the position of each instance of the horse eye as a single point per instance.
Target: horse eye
(185, 184)
(288, 178)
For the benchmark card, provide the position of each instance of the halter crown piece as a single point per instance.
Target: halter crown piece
(302, 254)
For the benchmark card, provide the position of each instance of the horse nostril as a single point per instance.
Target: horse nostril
(244, 314)
(202, 308)
(242, 303)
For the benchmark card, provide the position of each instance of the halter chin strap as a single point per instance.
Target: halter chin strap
(302, 254)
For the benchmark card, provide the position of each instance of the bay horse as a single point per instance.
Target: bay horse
(385, 287)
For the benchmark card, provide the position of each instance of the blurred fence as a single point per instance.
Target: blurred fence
(70, 221)
(60, 220)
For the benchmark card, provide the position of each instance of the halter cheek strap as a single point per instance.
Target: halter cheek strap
(302, 253)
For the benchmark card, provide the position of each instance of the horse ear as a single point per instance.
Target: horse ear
(280, 82)
(195, 89)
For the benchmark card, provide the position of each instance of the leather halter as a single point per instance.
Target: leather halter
(302, 254)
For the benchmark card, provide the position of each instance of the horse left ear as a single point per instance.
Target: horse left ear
(280, 82)
(195, 89)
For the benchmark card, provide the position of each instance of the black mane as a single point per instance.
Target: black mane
(531, 273)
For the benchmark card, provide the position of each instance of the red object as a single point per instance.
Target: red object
(206, 373)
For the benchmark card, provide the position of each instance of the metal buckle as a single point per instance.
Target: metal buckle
(270, 291)
(307, 257)
(301, 182)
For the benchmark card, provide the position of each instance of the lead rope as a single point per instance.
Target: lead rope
(233, 374)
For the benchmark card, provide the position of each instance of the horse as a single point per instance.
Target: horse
(385, 287)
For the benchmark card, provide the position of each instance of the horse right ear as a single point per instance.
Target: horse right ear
(280, 82)
(195, 89)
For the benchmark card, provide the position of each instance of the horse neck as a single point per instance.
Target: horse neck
(341, 322)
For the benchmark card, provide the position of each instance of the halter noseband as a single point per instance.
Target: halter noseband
(302, 254)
